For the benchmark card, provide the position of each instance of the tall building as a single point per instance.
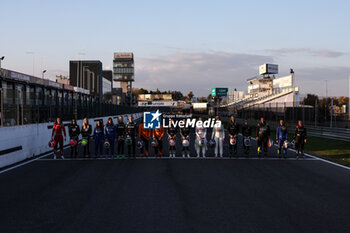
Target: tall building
(88, 75)
(123, 72)
(107, 81)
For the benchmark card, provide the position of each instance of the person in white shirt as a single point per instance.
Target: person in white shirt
(201, 141)
(219, 136)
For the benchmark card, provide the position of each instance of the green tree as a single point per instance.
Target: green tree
(177, 95)
(310, 99)
(142, 91)
(342, 100)
(203, 100)
(190, 95)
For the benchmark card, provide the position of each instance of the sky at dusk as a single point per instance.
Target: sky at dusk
(184, 45)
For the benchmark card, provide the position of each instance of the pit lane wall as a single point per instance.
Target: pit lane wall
(19, 143)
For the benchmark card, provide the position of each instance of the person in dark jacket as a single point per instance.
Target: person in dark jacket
(144, 136)
(74, 131)
(300, 136)
(158, 134)
(120, 136)
(281, 138)
(246, 133)
(233, 130)
(131, 130)
(172, 131)
(262, 135)
(111, 134)
(185, 135)
(86, 131)
(99, 138)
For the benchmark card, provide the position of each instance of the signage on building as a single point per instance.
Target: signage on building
(41, 81)
(283, 82)
(81, 90)
(199, 105)
(68, 87)
(219, 91)
(268, 69)
(123, 55)
(147, 97)
(20, 76)
(54, 84)
(157, 103)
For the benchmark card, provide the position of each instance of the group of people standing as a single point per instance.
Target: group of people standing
(282, 138)
(103, 136)
(106, 136)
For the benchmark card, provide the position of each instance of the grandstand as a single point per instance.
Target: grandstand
(267, 90)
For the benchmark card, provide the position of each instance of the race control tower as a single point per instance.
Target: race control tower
(123, 72)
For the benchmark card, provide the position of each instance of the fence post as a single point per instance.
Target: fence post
(22, 108)
(17, 107)
(316, 112)
(2, 116)
(331, 123)
(303, 112)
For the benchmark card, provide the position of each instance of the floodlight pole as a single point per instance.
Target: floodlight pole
(1, 58)
(349, 99)
(293, 86)
(331, 123)
(43, 74)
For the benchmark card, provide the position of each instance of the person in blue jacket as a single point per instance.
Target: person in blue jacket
(111, 134)
(281, 137)
(99, 138)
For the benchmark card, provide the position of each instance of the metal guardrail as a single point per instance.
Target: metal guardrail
(331, 133)
(342, 134)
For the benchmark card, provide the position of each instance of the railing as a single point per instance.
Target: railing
(331, 133)
(19, 113)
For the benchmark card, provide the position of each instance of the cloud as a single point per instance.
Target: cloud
(312, 52)
(313, 80)
(197, 72)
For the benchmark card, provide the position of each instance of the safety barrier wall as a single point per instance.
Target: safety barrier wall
(331, 133)
(19, 143)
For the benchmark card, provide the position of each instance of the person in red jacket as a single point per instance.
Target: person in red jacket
(58, 131)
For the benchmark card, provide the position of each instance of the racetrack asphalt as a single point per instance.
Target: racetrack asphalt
(176, 195)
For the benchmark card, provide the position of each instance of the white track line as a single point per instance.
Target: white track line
(324, 160)
(181, 158)
(317, 158)
(24, 163)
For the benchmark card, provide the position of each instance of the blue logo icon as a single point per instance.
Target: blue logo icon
(151, 120)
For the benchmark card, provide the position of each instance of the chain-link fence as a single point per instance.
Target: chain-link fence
(316, 116)
(277, 111)
(17, 113)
